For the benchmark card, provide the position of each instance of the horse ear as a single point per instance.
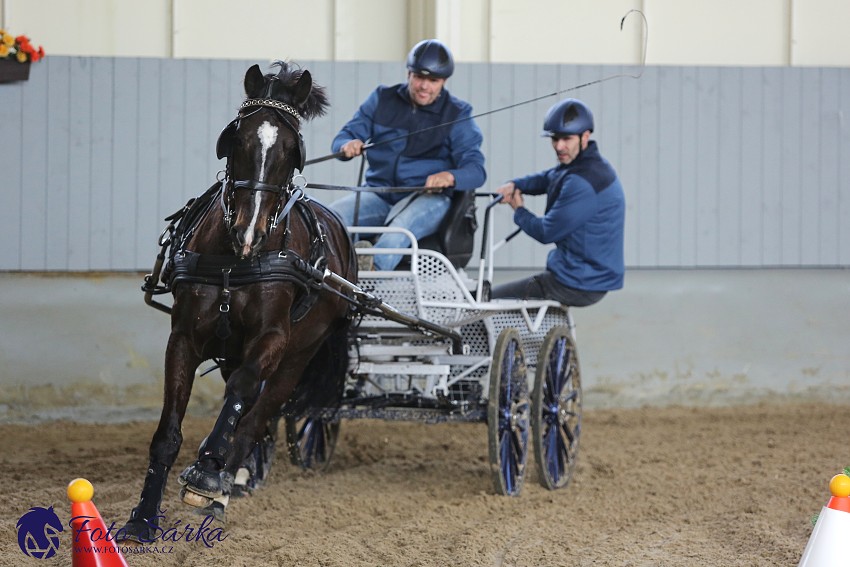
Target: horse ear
(254, 81)
(303, 88)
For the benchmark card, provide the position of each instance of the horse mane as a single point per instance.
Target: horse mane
(317, 102)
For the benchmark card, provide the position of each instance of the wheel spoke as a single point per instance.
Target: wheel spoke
(556, 366)
(507, 463)
(320, 444)
(306, 442)
(553, 457)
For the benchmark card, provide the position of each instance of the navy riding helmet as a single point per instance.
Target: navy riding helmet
(431, 58)
(566, 118)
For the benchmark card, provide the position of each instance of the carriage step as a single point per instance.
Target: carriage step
(368, 351)
(402, 368)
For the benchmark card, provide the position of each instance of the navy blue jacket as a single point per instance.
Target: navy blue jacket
(406, 162)
(585, 218)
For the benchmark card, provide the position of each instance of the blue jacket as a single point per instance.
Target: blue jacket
(585, 218)
(406, 162)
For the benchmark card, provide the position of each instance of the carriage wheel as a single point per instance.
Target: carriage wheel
(508, 414)
(556, 410)
(311, 442)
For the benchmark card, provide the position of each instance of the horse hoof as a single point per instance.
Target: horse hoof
(199, 481)
(216, 510)
(194, 499)
(242, 484)
(138, 531)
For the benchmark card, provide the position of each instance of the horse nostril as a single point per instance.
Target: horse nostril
(237, 237)
(259, 238)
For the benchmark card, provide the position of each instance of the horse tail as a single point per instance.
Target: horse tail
(322, 383)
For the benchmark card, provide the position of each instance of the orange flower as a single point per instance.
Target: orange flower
(19, 47)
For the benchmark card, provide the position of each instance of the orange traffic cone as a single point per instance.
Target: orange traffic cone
(827, 545)
(92, 544)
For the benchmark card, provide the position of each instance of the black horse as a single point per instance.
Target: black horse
(246, 269)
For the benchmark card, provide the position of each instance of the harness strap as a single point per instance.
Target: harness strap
(191, 267)
(223, 329)
(293, 199)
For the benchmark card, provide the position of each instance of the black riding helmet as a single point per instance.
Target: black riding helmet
(431, 58)
(566, 118)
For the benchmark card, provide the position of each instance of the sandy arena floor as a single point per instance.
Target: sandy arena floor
(654, 487)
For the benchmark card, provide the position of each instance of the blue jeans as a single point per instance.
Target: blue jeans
(421, 216)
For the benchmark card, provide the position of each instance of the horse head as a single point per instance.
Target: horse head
(264, 147)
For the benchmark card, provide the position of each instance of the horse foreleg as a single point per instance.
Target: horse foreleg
(205, 479)
(165, 444)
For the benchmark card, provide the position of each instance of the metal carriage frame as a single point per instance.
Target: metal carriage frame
(429, 346)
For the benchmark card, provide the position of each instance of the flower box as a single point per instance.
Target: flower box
(11, 70)
(16, 54)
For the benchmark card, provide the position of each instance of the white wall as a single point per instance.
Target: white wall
(693, 32)
(554, 31)
(93, 27)
(721, 32)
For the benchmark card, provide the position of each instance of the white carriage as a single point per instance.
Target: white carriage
(429, 347)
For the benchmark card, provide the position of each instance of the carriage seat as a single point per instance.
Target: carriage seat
(455, 238)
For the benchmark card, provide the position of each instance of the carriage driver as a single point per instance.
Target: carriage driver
(443, 159)
(584, 218)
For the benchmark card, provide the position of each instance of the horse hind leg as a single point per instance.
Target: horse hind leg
(320, 386)
(257, 465)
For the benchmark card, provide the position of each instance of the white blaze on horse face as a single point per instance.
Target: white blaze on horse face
(268, 136)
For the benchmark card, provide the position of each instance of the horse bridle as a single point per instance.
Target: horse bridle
(288, 192)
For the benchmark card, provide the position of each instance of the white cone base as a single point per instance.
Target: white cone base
(828, 546)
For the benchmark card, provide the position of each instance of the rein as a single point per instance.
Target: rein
(366, 189)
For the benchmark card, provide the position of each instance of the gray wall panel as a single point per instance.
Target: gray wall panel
(667, 161)
(730, 137)
(57, 195)
(32, 224)
(124, 179)
(148, 218)
(790, 167)
(843, 165)
(103, 148)
(648, 138)
(771, 172)
(11, 160)
(751, 153)
(828, 160)
(686, 168)
(710, 134)
(721, 166)
(81, 109)
(812, 191)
